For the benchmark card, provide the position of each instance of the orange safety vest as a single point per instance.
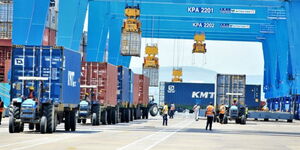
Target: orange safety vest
(210, 110)
(222, 109)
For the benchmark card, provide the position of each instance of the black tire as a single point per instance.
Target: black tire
(290, 120)
(147, 113)
(43, 124)
(94, 119)
(131, 114)
(109, 117)
(127, 114)
(67, 121)
(237, 120)
(73, 120)
(104, 117)
(84, 121)
(49, 113)
(122, 114)
(266, 119)
(37, 127)
(79, 120)
(225, 119)
(11, 124)
(243, 120)
(31, 126)
(114, 116)
(153, 110)
(21, 127)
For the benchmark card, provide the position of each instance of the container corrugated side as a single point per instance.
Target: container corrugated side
(230, 87)
(61, 68)
(141, 90)
(51, 21)
(6, 11)
(49, 38)
(100, 81)
(123, 84)
(131, 44)
(153, 75)
(186, 95)
(131, 92)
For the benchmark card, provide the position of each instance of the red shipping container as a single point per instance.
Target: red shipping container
(141, 90)
(5, 54)
(100, 81)
(49, 38)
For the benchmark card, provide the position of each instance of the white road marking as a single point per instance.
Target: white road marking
(154, 138)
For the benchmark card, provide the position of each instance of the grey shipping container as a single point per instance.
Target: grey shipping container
(153, 75)
(6, 12)
(131, 44)
(51, 21)
(230, 88)
(5, 30)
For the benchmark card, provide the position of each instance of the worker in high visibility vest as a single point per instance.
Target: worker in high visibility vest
(1, 109)
(210, 113)
(165, 114)
(222, 110)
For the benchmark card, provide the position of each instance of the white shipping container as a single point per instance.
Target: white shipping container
(52, 18)
(6, 12)
(131, 44)
(153, 75)
(5, 30)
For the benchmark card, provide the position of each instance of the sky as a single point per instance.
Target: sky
(222, 56)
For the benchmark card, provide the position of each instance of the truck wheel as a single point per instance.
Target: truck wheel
(73, 120)
(104, 117)
(225, 120)
(78, 120)
(243, 120)
(67, 121)
(146, 113)
(43, 125)
(131, 114)
(98, 114)
(11, 124)
(31, 126)
(84, 121)
(153, 110)
(113, 116)
(49, 113)
(127, 114)
(37, 127)
(94, 119)
(237, 121)
(21, 127)
(290, 120)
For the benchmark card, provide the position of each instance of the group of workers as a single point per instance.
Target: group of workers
(166, 112)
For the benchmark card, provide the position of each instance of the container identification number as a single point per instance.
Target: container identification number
(204, 25)
(205, 10)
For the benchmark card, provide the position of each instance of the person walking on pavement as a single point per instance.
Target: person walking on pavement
(222, 113)
(1, 109)
(210, 112)
(196, 109)
(172, 111)
(165, 114)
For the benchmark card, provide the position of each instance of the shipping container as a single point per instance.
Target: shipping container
(5, 30)
(131, 44)
(253, 97)
(186, 95)
(51, 21)
(49, 75)
(153, 75)
(6, 11)
(124, 85)
(83, 46)
(5, 54)
(49, 38)
(141, 90)
(103, 78)
(230, 88)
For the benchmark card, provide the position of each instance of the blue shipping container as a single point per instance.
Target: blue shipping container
(252, 96)
(186, 95)
(123, 85)
(131, 86)
(54, 70)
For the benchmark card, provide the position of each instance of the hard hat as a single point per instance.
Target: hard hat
(31, 88)
(87, 94)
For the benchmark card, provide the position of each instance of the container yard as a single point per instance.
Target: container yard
(149, 74)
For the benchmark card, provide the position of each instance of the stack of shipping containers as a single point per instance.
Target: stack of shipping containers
(6, 18)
